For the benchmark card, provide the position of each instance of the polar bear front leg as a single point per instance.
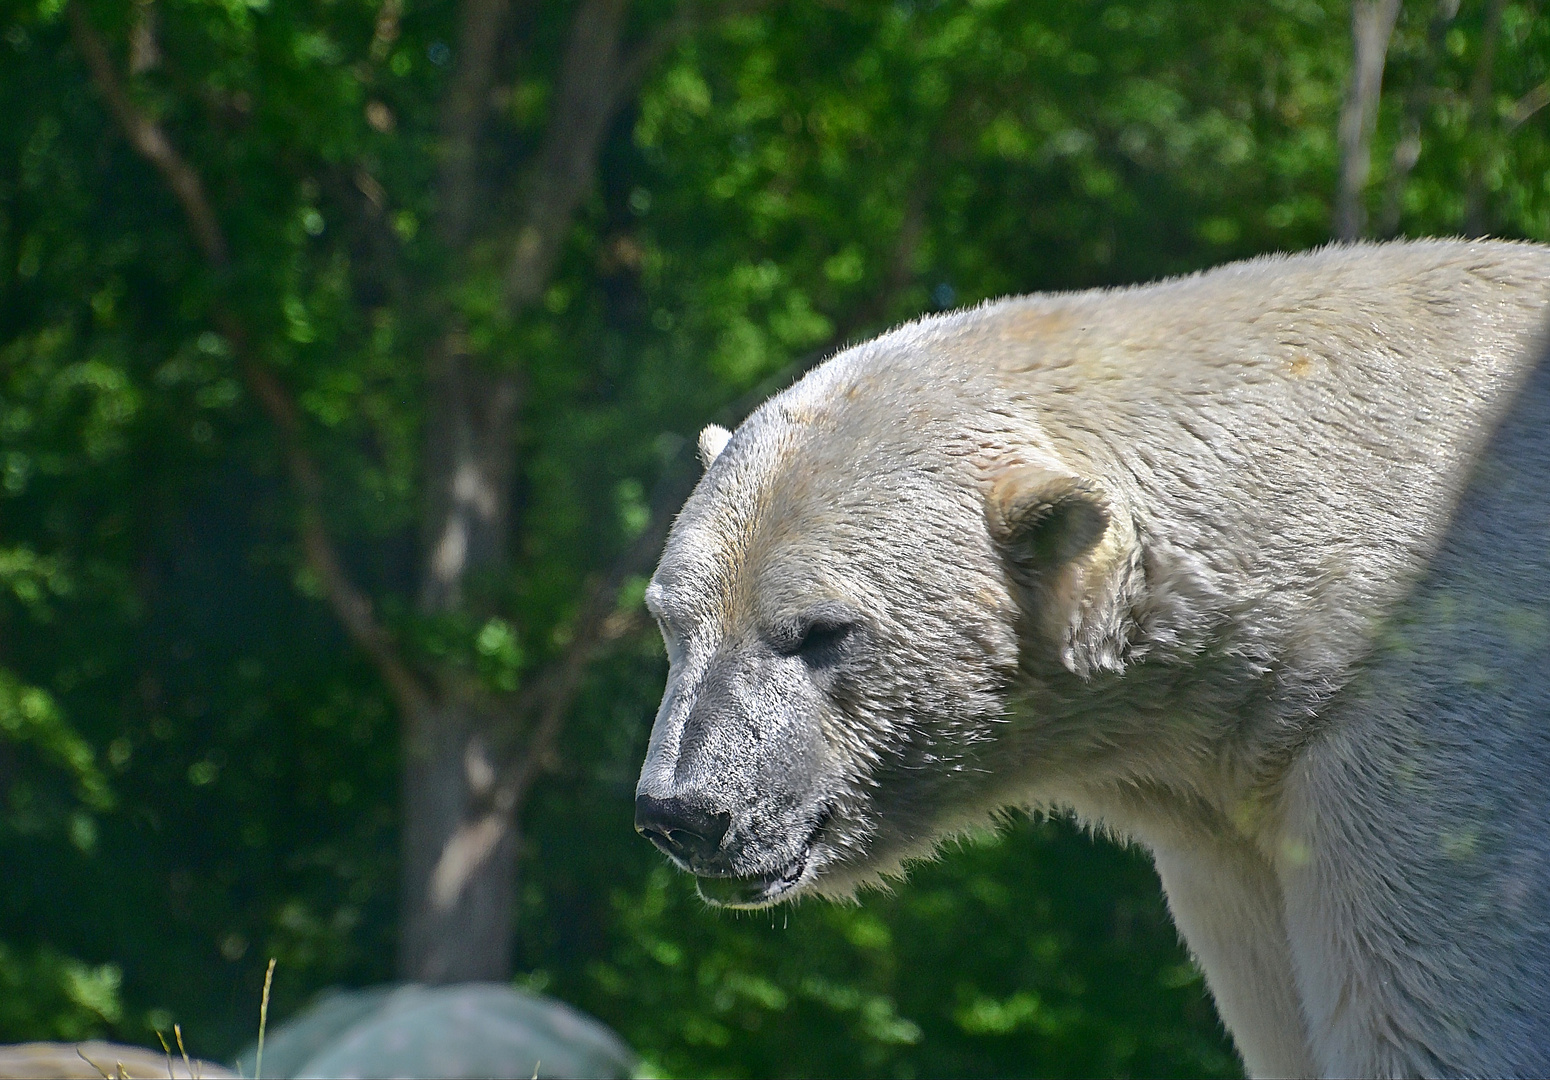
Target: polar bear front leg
(1227, 904)
(1383, 992)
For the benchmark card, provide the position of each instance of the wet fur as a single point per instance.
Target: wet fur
(1304, 659)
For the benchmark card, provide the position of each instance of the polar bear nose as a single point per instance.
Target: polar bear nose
(684, 831)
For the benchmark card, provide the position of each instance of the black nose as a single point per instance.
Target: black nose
(687, 832)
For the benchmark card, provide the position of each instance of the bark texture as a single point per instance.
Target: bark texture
(459, 851)
(459, 826)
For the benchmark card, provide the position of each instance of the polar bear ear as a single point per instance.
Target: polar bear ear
(1044, 520)
(1071, 563)
(713, 440)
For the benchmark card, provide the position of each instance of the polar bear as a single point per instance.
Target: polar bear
(1251, 568)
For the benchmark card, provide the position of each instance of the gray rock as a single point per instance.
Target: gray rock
(467, 1030)
(95, 1059)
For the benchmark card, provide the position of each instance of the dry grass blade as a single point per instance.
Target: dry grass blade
(82, 1055)
(171, 1075)
(177, 1033)
(263, 1021)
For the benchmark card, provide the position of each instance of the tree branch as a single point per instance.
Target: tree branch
(1407, 151)
(1529, 104)
(147, 138)
(350, 605)
(633, 68)
(588, 92)
(1372, 24)
(594, 77)
(1479, 119)
(463, 114)
(689, 17)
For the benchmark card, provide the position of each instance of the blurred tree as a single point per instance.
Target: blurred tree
(350, 354)
(471, 744)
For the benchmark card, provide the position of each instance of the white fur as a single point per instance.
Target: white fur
(713, 440)
(1306, 664)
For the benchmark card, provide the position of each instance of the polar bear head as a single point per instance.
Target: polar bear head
(867, 569)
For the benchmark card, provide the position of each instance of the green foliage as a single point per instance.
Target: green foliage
(46, 996)
(30, 717)
(199, 772)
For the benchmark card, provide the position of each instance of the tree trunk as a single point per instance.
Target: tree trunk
(469, 456)
(459, 819)
(459, 850)
(461, 784)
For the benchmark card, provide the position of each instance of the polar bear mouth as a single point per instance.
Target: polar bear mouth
(762, 890)
(751, 892)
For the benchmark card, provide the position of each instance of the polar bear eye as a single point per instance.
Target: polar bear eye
(671, 640)
(821, 636)
(823, 642)
(820, 640)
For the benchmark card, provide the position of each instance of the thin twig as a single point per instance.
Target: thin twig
(148, 138)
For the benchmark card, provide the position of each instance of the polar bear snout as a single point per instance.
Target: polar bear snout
(734, 788)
